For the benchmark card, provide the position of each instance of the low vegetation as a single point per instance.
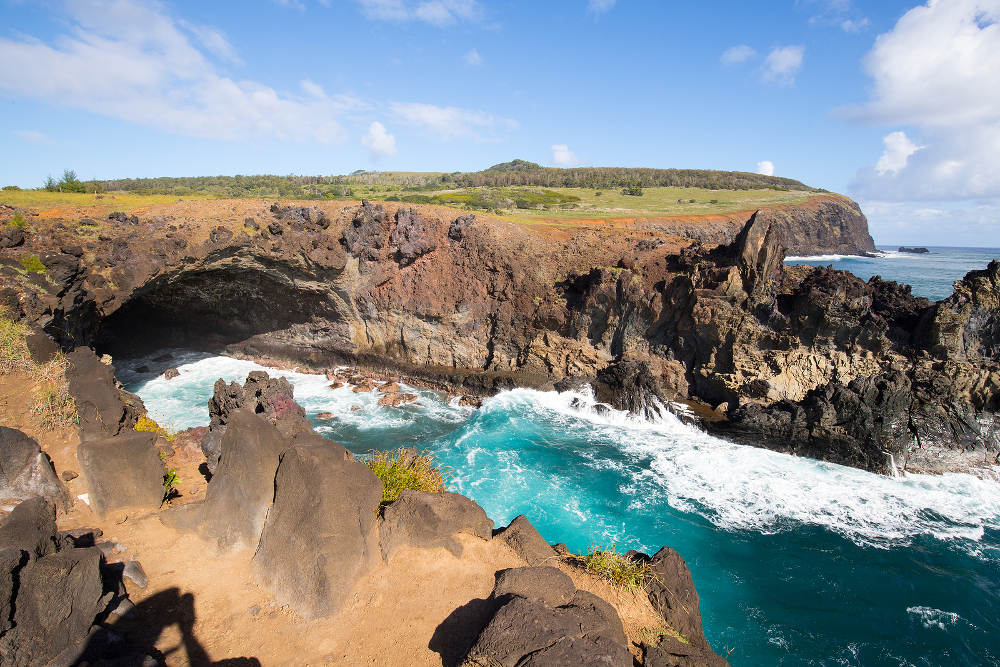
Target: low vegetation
(32, 264)
(653, 636)
(621, 571)
(148, 424)
(52, 405)
(18, 221)
(403, 468)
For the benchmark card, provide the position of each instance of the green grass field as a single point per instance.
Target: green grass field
(122, 201)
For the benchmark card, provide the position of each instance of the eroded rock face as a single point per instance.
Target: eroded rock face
(320, 535)
(121, 472)
(541, 619)
(412, 236)
(25, 471)
(429, 520)
(526, 541)
(104, 410)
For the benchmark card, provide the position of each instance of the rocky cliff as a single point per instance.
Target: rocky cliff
(826, 224)
(807, 360)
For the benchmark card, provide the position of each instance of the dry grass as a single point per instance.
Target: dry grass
(618, 569)
(52, 405)
(401, 469)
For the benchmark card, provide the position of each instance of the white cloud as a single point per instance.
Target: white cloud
(765, 167)
(782, 64)
(32, 136)
(600, 6)
(737, 54)
(854, 25)
(945, 223)
(452, 122)
(563, 156)
(214, 41)
(436, 12)
(294, 4)
(898, 149)
(130, 60)
(379, 142)
(938, 72)
(473, 58)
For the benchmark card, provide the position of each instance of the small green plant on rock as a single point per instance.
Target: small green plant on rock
(32, 264)
(404, 468)
(619, 570)
(18, 221)
(170, 482)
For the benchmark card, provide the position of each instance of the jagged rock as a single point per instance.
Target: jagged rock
(220, 235)
(527, 629)
(242, 486)
(365, 236)
(25, 471)
(320, 536)
(31, 528)
(670, 652)
(12, 237)
(272, 398)
(672, 593)
(428, 520)
(12, 560)
(412, 237)
(630, 386)
(759, 255)
(102, 409)
(456, 230)
(41, 346)
(123, 218)
(124, 471)
(250, 223)
(526, 541)
(58, 598)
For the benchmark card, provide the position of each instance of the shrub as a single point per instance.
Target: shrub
(633, 190)
(618, 569)
(32, 264)
(146, 423)
(170, 482)
(11, 187)
(18, 221)
(401, 469)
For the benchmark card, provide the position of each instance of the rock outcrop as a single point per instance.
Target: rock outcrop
(428, 520)
(122, 472)
(25, 471)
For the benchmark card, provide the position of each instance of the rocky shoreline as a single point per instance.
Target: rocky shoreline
(305, 518)
(801, 359)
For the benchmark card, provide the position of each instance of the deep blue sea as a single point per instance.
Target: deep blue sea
(931, 275)
(797, 562)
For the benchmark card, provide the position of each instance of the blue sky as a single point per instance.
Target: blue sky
(894, 103)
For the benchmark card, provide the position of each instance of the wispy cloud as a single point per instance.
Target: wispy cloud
(563, 156)
(449, 123)
(598, 7)
(473, 58)
(782, 64)
(435, 12)
(765, 167)
(158, 73)
(737, 54)
(33, 137)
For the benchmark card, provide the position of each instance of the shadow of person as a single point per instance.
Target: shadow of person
(131, 640)
(456, 634)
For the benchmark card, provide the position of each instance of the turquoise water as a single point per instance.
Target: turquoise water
(796, 561)
(931, 275)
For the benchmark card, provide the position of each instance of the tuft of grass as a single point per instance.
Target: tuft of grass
(148, 424)
(54, 406)
(618, 569)
(400, 469)
(170, 482)
(653, 636)
(14, 355)
(32, 264)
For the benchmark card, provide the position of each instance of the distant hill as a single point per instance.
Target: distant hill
(505, 174)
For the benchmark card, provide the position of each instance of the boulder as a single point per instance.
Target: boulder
(58, 598)
(456, 230)
(672, 593)
(124, 471)
(242, 487)
(527, 542)
(396, 399)
(428, 520)
(25, 471)
(30, 528)
(668, 651)
(632, 387)
(102, 410)
(541, 619)
(41, 346)
(12, 560)
(320, 533)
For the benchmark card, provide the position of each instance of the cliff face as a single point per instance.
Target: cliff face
(806, 360)
(824, 225)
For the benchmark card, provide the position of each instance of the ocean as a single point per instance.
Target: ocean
(931, 275)
(797, 562)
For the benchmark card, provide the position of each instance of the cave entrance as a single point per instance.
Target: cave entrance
(209, 311)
